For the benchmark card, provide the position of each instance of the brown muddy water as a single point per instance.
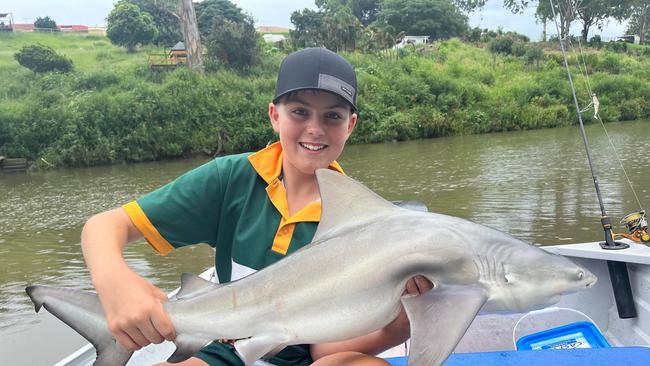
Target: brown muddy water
(533, 184)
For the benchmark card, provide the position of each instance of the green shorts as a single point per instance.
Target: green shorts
(223, 354)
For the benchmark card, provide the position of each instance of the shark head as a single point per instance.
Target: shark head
(535, 278)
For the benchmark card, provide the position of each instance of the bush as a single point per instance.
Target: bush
(518, 49)
(474, 35)
(40, 58)
(501, 45)
(618, 46)
(42, 24)
(534, 55)
(596, 42)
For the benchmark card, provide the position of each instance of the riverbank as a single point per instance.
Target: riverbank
(112, 109)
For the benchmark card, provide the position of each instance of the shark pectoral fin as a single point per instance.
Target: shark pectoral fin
(254, 348)
(186, 347)
(192, 285)
(452, 310)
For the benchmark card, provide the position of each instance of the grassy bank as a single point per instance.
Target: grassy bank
(113, 109)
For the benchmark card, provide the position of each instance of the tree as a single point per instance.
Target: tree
(307, 26)
(167, 22)
(364, 10)
(438, 19)
(40, 58)
(190, 30)
(341, 27)
(41, 24)
(333, 25)
(470, 5)
(564, 10)
(595, 12)
(234, 44)
(589, 12)
(183, 11)
(128, 26)
(640, 19)
(209, 12)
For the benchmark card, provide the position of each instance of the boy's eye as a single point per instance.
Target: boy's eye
(333, 115)
(300, 112)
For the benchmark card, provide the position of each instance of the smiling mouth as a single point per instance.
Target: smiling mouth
(312, 147)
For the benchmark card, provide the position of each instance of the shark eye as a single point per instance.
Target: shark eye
(581, 275)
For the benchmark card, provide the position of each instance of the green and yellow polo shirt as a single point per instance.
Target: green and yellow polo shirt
(236, 204)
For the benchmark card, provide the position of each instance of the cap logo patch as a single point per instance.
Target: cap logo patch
(346, 90)
(337, 86)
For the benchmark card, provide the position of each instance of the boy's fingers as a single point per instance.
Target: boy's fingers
(125, 341)
(151, 333)
(163, 325)
(423, 284)
(137, 336)
(411, 287)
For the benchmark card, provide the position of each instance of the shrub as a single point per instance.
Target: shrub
(596, 42)
(611, 63)
(534, 55)
(518, 49)
(501, 45)
(43, 24)
(40, 58)
(619, 46)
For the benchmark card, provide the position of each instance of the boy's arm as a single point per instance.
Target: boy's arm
(395, 333)
(133, 306)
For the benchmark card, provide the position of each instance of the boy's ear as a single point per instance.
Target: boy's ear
(352, 123)
(274, 116)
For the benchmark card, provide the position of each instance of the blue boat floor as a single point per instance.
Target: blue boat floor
(628, 356)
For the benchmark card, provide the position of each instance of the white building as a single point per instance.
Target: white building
(412, 40)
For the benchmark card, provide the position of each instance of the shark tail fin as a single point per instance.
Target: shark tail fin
(83, 312)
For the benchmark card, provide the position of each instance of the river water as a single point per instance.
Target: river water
(535, 185)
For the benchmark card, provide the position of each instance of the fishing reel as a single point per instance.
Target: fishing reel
(636, 224)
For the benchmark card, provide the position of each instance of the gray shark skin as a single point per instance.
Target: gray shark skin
(349, 282)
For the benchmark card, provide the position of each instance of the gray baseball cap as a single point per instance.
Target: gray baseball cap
(317, 68)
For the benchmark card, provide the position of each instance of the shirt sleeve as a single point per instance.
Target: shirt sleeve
(183, 212)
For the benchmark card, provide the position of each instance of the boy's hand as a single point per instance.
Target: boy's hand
(418, 285)
(134, 310)
(415, 286)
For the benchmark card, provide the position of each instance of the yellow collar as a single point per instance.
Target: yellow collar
(268, 164)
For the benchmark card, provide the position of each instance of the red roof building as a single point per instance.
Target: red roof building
(77, 28)
(24, 27)
(73, 28)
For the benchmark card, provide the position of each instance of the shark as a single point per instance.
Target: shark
(348, 282)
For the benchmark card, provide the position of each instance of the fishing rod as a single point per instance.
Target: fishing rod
(617, 270)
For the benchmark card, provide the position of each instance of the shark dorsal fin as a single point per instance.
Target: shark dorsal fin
(193, 285)
(345, 201)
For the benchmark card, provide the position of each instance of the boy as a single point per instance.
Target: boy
(253, 208)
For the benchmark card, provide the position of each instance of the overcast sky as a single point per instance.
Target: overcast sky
(266, 12)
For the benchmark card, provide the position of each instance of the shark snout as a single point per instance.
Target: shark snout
(589, 279)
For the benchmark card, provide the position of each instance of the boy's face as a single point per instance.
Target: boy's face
(313, 127)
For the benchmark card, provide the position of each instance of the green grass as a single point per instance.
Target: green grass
(111, 108)
(82, 49)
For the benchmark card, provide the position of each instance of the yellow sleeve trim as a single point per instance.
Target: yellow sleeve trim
(141, 221)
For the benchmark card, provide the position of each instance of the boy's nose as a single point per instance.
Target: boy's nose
(315, 126)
